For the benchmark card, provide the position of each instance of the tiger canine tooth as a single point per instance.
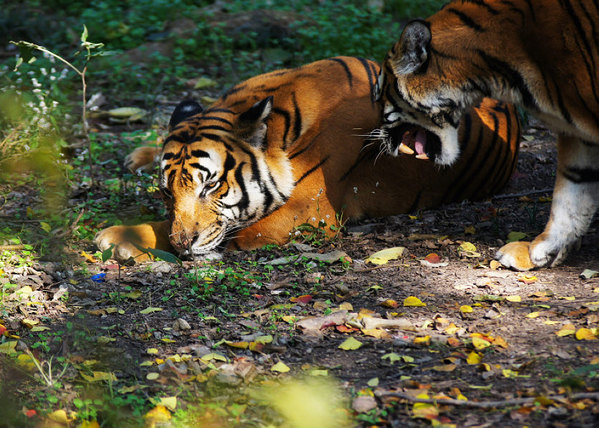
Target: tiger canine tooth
(422, 156)
(405, 149)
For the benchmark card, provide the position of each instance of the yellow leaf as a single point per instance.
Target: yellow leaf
(585, 334)
(149, 310)
(467, 246)
(466, 309)
(444, 368)
(59, 416)
(99, 376)
(382, 257)
(469, 230)
(424, 410)
(133, 294)
(152, 376)
(500, 341)
(413, 301)
(280, 367)
(213, 356)
(239, 345)
(533, 315)
(474, 358)
(513, 299)
(167, 340)
(527, 279)
(89, 257)
(89, 424)
(169, 402)
(509, 373)
(375, 332)
(494, 264)
(566, 330)
(152, 351)
(479, 343)
(346, 306)
(158, 414)
(350, 344)
(426, 340)
(29, 323)
(451, 328)
(26, 362)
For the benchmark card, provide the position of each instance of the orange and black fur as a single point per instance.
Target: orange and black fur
(541, 54)
(293, 147)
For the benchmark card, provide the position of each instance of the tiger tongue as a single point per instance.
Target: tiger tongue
(414, 138)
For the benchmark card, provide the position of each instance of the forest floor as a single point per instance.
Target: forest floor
(204, 344)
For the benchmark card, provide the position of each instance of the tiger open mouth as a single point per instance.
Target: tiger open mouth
(413, 140)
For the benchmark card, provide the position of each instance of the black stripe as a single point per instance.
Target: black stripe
(212, 127)
(297, 125)
(513, 77)
(345, 68)
(581, 175)
(467, 20)
(199, 154)
(212, 137)
(216, 118)
(371, 74)
(311, 170)
(287, 119)
(482, 4)
(307, 147)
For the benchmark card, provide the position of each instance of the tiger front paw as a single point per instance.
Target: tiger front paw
(123, 250)
(515, 255)
(142, 158)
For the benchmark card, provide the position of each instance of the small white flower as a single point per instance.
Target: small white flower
(356, 189)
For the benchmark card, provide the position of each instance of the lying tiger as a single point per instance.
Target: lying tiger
(291, 147)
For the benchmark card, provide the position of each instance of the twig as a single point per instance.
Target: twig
(487, 404)
(519, 195)
(12, 247)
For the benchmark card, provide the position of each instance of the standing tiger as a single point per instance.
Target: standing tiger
(541, 54)
(291, 147)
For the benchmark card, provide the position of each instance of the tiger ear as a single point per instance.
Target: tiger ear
(251, 125)
(413, 50)
(184, 110)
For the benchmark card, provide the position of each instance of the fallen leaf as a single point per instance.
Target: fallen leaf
(527, 279)
(280, 367)
(533, 315)
(157, 416)
(373, 383)
(474, 358)
(588, 274)
(469, 230)
(513, 299)
(494, 264)
(364, 403)
(382, 257)
(389, 303)
(585, 334)
(480, 343)
(99, 376)
(466, 309)
(424, 410)
(29, 323)
(152, 376)
(306, 298)
(330, 257)
(413, 301)
(426, 340)
(566, 330)
(350, 344)
(444, 368)
(433, 258)
(169, 402)
(59, 416)
(149, 310)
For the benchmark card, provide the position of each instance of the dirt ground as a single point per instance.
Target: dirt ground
(496, 337)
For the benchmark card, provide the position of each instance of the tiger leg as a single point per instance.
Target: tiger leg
(142, 158)
(280, 226)
(575, 201)
(127, 239)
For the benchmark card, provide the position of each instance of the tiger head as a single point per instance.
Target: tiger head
(422, 105)
(217, 174)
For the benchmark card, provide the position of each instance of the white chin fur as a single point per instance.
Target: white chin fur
(450, 147)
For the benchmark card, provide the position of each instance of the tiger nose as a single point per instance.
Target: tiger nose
(183, 242)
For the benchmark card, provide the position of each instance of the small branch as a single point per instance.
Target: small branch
(487, 404)
(519, 195)
(12, 247)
